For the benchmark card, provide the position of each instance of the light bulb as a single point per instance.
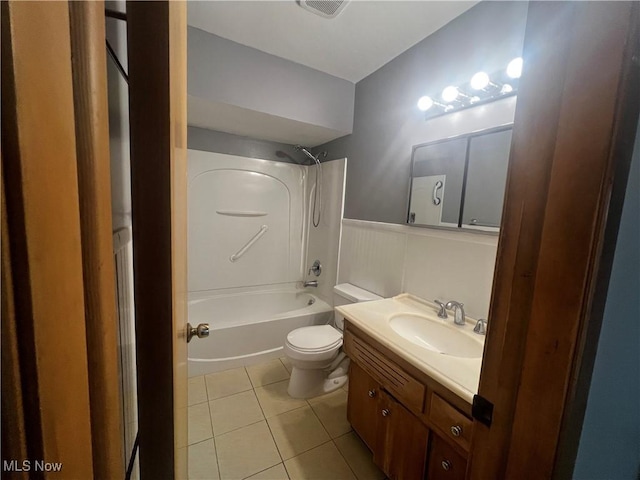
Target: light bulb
(480, 81)
(425, 103)
(514, 69)
(506, 88)
(450, 93)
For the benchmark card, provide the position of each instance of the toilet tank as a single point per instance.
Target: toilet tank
(344, 294)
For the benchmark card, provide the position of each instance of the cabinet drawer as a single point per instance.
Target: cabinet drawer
(399, 383)
(453, 424)
(444, 462)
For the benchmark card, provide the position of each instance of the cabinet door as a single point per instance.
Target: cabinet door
(362, 405)
(402, 441)
(444, 462)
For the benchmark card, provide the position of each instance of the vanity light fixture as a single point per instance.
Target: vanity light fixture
(425, 103)
(450, 94)
(506, 88)
(514, 69)
(480, 81)
(453, 94)
(486, 87)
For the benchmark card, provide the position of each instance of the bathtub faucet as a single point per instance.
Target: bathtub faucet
(310, 283)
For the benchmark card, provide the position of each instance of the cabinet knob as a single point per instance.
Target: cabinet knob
(386, 412)
(372, 393)
(456, 430)
(446, 465)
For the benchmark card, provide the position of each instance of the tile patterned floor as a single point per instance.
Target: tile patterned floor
(243, 424)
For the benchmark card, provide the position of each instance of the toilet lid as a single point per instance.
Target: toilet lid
(314, 338)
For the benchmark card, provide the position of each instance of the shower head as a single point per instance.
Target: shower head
(309, 154)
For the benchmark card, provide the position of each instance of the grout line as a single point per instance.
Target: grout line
(320, 420)
(226, 396)
(207, 389)
(215, 448)
(236, 429)
(269, 427)
(308, 450)
(304, 451)
(211, 421)
(257, 473)
(286, 470)
(199, 442)
(344, 457)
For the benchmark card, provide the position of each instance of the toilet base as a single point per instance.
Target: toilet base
(312, 383)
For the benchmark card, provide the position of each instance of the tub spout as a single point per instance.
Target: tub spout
(310, 283)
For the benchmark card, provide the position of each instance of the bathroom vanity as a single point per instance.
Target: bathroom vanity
(412, 415)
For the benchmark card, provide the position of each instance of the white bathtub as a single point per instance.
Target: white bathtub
(249, 328)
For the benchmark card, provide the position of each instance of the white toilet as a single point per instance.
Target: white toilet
(319, 364)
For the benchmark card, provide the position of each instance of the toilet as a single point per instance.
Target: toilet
(319, 364)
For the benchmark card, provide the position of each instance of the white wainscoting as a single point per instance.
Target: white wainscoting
(389, 259)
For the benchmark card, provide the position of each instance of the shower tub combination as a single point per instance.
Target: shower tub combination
(247, 237)
(249, 327)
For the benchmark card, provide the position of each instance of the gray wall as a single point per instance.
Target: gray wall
(386, 120)
(220, 142)
(258, 81)
(610, 440)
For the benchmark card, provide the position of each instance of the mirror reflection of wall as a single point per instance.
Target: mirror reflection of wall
(486, 179)
(460, 182)
(437, 162)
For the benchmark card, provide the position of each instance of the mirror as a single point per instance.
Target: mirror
(459, 182)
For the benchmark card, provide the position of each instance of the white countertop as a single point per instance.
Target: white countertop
(460, 375)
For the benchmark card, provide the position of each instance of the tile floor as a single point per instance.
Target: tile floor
(243, 424)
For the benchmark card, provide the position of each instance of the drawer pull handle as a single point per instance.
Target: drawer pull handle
(446, 465)
(456, 430)
(386, 412)
(372, 393)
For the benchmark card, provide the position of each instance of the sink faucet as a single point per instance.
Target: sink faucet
(481, 327)
(310, 283)
(442, 313)
(458, 313)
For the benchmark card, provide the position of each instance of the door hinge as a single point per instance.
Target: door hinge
(482, 410)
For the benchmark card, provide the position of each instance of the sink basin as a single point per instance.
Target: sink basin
(436, 336)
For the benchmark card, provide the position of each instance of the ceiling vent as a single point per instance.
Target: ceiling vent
(324, 8)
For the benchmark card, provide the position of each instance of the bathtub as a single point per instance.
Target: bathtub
(249, 328)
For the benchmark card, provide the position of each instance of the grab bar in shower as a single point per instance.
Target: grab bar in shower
(241, 213)
(254, 239)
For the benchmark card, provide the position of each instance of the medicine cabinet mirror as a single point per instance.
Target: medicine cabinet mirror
(459, 182)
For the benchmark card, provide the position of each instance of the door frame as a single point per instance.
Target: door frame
(58, 288)
(157, 57)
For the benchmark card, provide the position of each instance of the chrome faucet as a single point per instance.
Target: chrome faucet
(310, 283)
(481, 327)
(442, 313)
(458, 313)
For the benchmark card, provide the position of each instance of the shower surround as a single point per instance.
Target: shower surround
(250, 246)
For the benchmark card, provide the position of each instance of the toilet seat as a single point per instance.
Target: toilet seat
(314, 339)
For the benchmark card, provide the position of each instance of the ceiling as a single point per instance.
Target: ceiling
(362, 38)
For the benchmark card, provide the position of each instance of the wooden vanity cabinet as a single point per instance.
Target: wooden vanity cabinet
(363, 410)
(402, 441)
(444, 462)
(413, 432)
(394, 435)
